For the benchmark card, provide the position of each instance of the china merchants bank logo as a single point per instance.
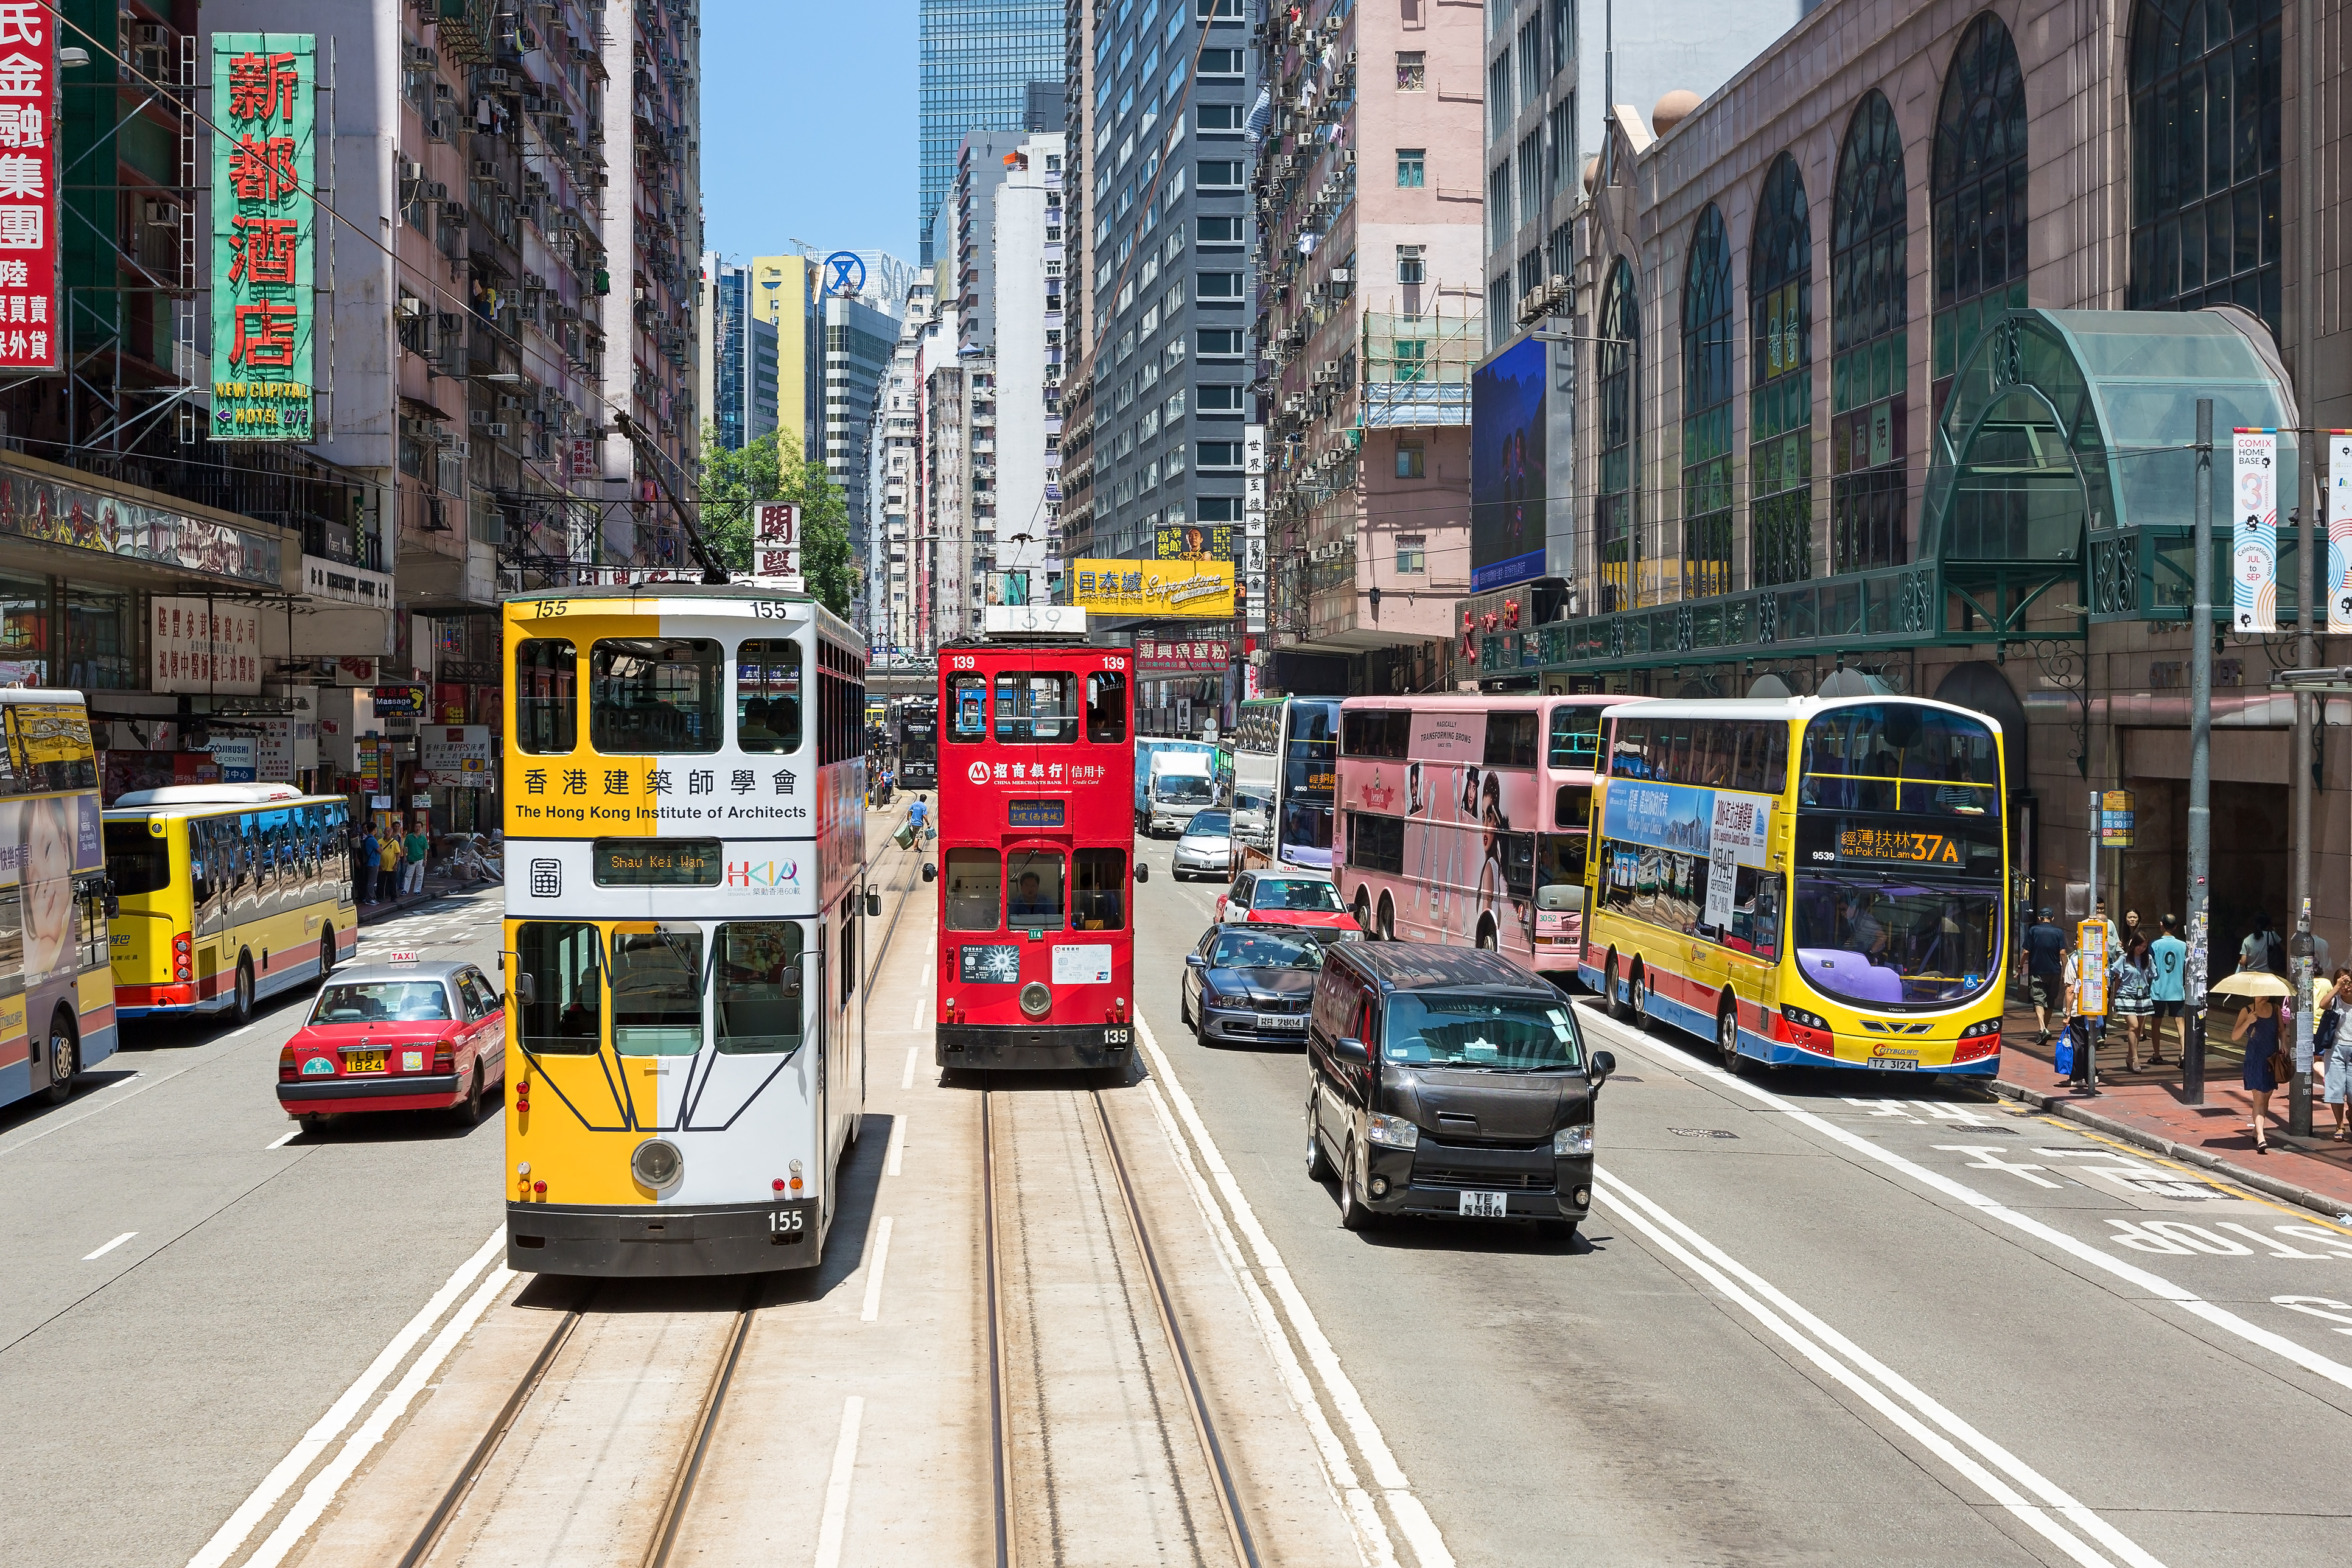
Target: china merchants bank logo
(753, 875)
(977, 773)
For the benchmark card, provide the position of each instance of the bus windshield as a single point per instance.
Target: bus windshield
(1901, 757)
(1481, 1033)
(136, 860)
(1892, 942)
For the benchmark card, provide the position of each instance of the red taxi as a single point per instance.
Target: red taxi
(1284, 899)
(396, 1036)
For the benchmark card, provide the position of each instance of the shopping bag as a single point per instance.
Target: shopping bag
(2066, 1052)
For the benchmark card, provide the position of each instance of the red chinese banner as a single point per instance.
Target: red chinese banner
(29, 338)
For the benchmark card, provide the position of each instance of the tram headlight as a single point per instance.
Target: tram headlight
(656, 1162)
(1037, 999)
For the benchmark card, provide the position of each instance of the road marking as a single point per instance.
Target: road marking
(338, 1472)
(906, 1079)
(94, 1257)
(926, 980)
(1823, 1345)
(831, 1528)
(1419, 1529)
(873, 1308)
(1989, 1158)
(897, 1141)
(1961, 1193)
(327, 1427)
(284, 1139)
(921, 998)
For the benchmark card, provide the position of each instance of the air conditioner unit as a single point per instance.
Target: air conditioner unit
(431, 191)
(151, 34)
(455, 215)
(1331, 367)
(438, 128)
(410, 307)
(160, 215)
(461, 449)
(485, 169)
(497, 77)
(498, 430)
(479, 416)
(423, 57)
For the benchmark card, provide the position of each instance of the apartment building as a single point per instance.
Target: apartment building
(893, 487)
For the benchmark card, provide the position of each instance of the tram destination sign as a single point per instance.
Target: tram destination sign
(1032, 814)
(658, 862)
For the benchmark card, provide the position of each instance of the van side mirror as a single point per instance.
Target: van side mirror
(1350, 1051)
(526, 987)
(1143, 872)
(873, 899)
(930, 872)
(1604, 1063)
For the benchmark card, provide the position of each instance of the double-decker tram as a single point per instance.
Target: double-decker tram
(918, 743)
(1037, 779)
(1806, 881)
(685, 774)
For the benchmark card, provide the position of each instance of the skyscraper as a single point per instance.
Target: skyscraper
(980, 58)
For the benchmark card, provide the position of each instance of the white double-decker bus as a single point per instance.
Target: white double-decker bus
(685, 788)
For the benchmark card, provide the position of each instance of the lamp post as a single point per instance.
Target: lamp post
(2201, 763)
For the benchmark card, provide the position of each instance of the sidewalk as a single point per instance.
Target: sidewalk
(2147, 1108)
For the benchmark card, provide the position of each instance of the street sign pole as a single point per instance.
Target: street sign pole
(2200, 763)
(2091, 962)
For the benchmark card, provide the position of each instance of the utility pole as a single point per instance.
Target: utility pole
(2201, 769)
(2300, 947)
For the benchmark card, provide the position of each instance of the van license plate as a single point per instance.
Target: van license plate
(1894, 1063)
(1483, 1206)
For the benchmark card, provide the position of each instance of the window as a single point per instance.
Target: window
(1575, 739)
(1409, 264)
(655, 695)
(563, 992)
(1780, 408)
(1498, 205)
(1221, 342)
(1563, 34)
(1038, 707)
(2205, 87)
(1531, 186)
(1221, 454)
(975, 888)
(1099, 890)
(1616, 544)
(136, 860)
(1217, 10)
(382, 1002)
(1978, 194)
(1218, 230)
(1105, 709)
(1409, 460)
(1035, 894)
(968, 721)
(1220, 117)
(1413, 553)
(1498, 96)
(1376, 843)
(768, 695)
(1511, 740)
(1219, 397)
(657, 993)
(1409, 161)
(1218, 285)
(1869, 348)
(1171, 358)
(545, 714)
(1214, 62)
(1560, 154)
(1531, 61)
(1707, 410)
(756, 988)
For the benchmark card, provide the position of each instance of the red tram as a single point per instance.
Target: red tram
(1035, 828)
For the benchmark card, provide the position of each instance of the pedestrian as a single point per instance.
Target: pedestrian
(920, 814)
(2132, 932)
(371, 866)
(2082, 1029)
(2046, 960)
(2263, 948)
(414, 853)
(388, 856)
(2168, 989)
(2257, 1029)
(2331, 1046)
(2130, 980)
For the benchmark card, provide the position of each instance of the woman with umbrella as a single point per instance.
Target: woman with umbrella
(2257, 1029)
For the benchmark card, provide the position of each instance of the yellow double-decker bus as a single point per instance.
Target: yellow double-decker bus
(56, 1002)
(229, 893)
(1807, 881)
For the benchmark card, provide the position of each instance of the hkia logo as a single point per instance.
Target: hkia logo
(762, 873)
(977, 773)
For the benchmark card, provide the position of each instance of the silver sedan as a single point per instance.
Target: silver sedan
(1207, 848)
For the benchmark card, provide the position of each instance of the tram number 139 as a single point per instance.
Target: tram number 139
(788, 1221)
(1114, 1036)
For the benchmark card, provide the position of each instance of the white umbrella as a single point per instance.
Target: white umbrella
(2252, 983)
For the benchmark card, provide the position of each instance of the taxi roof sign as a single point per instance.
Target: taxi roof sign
(402, 957)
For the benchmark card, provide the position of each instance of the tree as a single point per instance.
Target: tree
(775, 468)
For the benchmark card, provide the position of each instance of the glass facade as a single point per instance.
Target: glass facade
(1615, 541)
(1707, 410)
(1869, 348)
(978, 58)
(1979, 194)
(1780, 408)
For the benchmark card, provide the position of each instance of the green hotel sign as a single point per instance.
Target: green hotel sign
(265, 225)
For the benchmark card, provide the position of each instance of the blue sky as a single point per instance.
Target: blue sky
(809, 126)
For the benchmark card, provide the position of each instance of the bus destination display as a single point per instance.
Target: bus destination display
(658, 862)
(1891, 841)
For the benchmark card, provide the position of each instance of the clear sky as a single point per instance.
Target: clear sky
(809, 126)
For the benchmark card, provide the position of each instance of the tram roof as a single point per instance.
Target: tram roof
(714, 591)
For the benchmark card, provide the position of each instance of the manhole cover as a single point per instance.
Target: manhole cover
(1701, 1132)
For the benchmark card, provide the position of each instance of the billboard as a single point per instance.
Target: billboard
(1507, 468)
(264, 233)
(1194, 542)
(30, 335)
(1190, 589)
(2253, 530)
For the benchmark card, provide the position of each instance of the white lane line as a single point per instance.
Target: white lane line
(921, 1001)
(836, 1522)
(897, 1144)
(327, 1427)
(283, 1140)
(1821, 1344)
(1961, 1193)
(94, 1257)
(906, 1079)
(926, 980)
(873, 1308)
(331, 1480)
(1420, 1530)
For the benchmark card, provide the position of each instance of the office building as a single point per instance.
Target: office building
(858, 342)
(987, 65)
(893, 489)
(785, 295)
(743, 360)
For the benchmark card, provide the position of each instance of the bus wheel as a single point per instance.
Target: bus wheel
(242, 1009)
(1363, 912)
(65, 1057)
(1727, 1035)
(1388, 919)
(1611, 1003)
(1487, 935)
(1637, 1006)
(326, 951)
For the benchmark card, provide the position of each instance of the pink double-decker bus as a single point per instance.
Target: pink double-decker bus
(1464, 820)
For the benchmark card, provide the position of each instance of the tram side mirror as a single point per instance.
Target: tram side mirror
(930, 872)
(873, 899)
(1143, 872)
(1557, 897)
(526, 987)
(1604, 1063)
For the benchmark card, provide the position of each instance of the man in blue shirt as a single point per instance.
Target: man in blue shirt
(2167, 956)
(919, 814)
(2045, 966)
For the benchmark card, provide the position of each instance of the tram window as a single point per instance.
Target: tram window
(658, 994)
(768, 695)
(545, 715)
(1098, 890)
(758, 987)
(654, 695)
(968, 696)
(564, 1015)
(1035, 890)
(1037, 705)
(975, 890)
(1105, 708)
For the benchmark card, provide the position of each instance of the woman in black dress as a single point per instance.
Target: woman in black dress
(2257, 1029)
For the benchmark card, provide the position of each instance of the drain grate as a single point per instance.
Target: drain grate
(1701, 1132)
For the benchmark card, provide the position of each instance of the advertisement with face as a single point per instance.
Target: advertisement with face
(1507, 468)
(44, 843)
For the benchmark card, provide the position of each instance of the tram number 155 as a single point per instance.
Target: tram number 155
(787, 1222)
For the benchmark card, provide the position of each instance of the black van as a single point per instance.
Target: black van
(1448, 1080)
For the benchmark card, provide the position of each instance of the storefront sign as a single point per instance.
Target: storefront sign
(79, 518)
(29, 317)
(1194, 542)
(2253, 530)
(337, 580)
(203, 645)
(235, 755)
(457, 755)
(776, 540)
(399, 702)
(1253, 524)
(264, 219)
(1159, 656)
(1198, 588)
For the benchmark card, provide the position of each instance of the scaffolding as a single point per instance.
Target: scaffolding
(1416, 368)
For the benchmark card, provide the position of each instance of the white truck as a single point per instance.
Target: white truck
(1181, 785)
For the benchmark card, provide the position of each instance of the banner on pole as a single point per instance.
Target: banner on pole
(2339, 532)
(2253, 530)
(264, 226)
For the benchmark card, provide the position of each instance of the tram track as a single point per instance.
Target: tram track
(535, 1380)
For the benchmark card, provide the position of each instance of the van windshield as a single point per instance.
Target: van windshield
(1479, 1032)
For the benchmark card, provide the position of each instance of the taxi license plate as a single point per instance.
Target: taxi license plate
(1485, 1206)
(1278, 1021)
(362, 1061)
(1894, 1063)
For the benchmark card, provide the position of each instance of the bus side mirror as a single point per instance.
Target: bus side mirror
(930, 872)
(873, 901)
(1143, 872)
(1553, 898)
(526, 987)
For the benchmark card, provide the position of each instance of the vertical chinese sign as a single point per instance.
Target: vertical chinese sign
(29, 337)
(264, 227)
